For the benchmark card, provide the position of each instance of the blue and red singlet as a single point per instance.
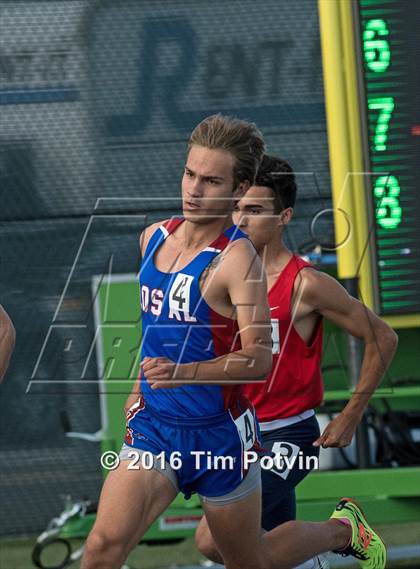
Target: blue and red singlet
(178, 324)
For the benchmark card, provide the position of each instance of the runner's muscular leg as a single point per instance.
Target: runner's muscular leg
(236, 530)
(130, 502)
(205, 542)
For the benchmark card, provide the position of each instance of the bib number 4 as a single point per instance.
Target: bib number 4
(179, 298)
(245, 424)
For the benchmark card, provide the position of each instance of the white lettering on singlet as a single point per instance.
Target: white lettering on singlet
(179, 299)
(152, 301)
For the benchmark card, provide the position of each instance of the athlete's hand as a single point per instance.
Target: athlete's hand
(161, 372)
(339, 432)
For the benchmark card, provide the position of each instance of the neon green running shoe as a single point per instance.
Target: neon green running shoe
(365, 545)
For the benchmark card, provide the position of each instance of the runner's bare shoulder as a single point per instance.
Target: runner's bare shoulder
(147, 233)
(243, 258)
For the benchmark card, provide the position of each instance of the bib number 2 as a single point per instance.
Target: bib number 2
(289, 454)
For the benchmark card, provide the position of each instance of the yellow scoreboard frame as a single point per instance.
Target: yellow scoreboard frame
(354, 212)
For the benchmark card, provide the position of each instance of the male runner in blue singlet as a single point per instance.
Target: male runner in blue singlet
(206, 330)
(7, 341)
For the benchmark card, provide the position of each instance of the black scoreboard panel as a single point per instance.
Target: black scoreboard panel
(389, 43)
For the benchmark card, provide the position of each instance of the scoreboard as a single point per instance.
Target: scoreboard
(376, 109)
(389, 50)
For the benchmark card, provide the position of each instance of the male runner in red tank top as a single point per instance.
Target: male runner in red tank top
(299, 297)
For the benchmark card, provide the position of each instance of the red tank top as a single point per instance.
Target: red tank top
(295, 382)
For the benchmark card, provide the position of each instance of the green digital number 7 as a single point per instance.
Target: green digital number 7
(385, 106)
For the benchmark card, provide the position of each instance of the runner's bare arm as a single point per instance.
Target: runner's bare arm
(133, 396)
(246, 285)
(7, 341)
(325, 295)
